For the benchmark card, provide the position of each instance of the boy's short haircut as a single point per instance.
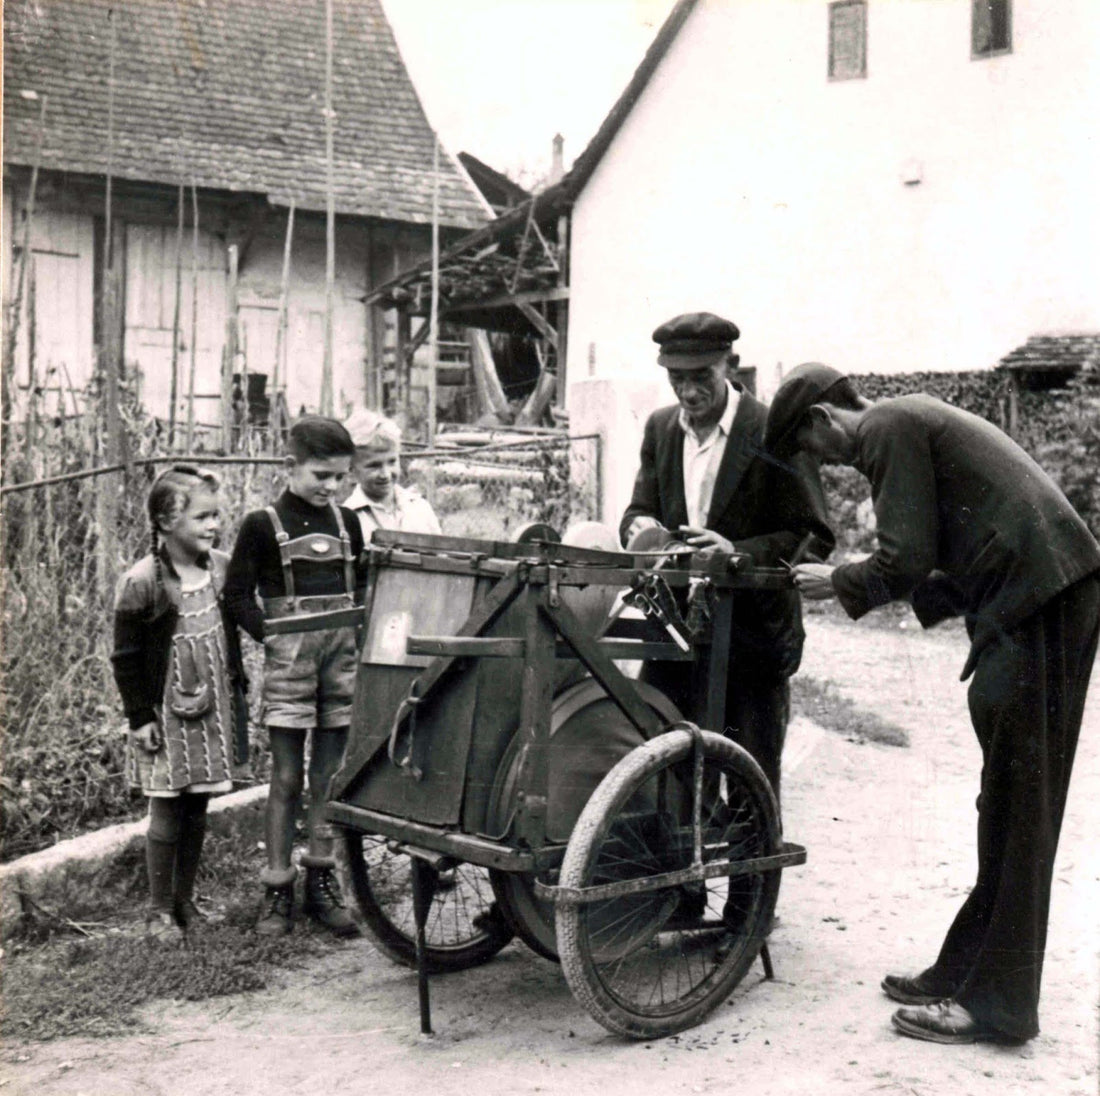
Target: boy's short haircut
(371, 430)
(316, 437)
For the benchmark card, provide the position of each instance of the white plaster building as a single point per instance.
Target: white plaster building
(931, 205)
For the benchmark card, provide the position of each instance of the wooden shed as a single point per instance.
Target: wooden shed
(196, 130)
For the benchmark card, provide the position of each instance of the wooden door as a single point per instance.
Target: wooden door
(150, 311)
(58, 308)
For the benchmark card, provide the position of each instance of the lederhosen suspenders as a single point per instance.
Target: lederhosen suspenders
(313, 546)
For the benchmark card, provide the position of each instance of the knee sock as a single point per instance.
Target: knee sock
(160, 859)
(160, 850)
(328, 751)
(189, 845)
(285, 795)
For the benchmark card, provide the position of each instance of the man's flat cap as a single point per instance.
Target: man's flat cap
(695, 340)
(801, 389)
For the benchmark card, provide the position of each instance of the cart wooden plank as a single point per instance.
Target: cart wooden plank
(372, 727)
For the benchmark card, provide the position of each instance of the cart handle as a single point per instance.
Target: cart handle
(408, 707)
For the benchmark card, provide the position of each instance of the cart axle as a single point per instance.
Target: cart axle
(696, 873)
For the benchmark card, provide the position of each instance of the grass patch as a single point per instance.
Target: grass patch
(92, 987)
(892, 617)
(56, 983)
(822, 702)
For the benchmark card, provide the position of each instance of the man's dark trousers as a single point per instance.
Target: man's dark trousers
(1026, 698)
(756, 712)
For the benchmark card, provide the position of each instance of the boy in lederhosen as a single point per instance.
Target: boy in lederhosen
(300, 556)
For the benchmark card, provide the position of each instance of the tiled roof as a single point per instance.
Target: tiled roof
(1054, 352)
(229, 94)
(499, 191)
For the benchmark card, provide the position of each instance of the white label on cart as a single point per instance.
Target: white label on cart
(390, 643)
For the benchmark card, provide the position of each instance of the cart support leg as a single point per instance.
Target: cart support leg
(766, 959)
(423, 881)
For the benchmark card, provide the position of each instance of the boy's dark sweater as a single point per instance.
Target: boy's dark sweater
(256, 569)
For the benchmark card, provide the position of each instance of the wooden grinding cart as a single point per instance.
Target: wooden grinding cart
(504, 777)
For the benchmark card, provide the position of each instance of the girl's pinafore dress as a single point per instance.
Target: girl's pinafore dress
(196, 712)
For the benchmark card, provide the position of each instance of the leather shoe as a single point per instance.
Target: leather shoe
(162, 927)
(911, 989)
(946, 1022)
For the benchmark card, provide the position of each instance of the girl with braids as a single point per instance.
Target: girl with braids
(177, 663)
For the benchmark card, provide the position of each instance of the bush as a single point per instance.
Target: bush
(1059, 428)
(982, 392)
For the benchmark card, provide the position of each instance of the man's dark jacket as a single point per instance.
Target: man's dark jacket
(766, 508)
(967, 523)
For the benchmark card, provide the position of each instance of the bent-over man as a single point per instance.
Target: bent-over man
(968, 524)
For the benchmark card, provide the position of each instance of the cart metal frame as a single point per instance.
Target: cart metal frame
(539, 579)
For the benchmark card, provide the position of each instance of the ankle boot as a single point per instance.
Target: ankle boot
(277, 918)
(191, 919)
(162, 927)
(324, 904)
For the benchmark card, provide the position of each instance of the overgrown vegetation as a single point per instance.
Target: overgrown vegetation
(91, 979)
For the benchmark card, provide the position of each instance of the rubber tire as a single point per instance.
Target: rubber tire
(582, 971)
(454, 942)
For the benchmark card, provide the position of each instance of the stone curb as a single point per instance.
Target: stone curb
(67, 872)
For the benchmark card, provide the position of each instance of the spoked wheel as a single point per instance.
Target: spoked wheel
(463, 930)
(657, 961)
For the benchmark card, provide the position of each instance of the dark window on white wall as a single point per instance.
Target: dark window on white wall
(847, 39)
(990, 27)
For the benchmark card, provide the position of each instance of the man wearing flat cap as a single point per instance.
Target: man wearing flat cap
(969, 525)
(704, 477)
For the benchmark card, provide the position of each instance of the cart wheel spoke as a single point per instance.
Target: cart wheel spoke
(462, 929)
(654, 962)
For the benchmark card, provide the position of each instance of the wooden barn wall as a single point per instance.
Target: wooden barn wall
(58, 309)
(150, 299)
(64, 248)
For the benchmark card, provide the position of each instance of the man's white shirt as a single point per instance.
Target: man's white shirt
(703, 458)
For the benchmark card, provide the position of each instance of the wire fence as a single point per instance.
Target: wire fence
(63, 747)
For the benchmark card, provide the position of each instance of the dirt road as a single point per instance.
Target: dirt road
(890, 834)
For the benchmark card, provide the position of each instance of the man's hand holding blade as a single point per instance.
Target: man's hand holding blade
(642, 521)
(814, 581)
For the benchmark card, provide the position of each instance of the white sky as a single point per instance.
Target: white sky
(498, 78)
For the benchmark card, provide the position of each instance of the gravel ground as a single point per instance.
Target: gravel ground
(890, 834)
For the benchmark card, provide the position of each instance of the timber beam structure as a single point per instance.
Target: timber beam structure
(511, 275)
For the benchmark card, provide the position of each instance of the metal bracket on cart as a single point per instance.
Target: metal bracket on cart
(650, 593)
(788, 856)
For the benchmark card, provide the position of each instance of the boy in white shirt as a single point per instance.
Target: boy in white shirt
(378, 499)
